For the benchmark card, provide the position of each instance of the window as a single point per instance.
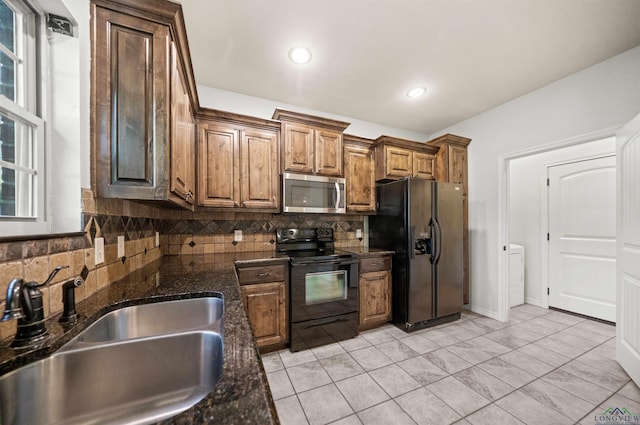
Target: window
(21, 130)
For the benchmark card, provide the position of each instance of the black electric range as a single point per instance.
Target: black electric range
(323, 287)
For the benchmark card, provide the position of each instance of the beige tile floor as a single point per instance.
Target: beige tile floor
(543, 367)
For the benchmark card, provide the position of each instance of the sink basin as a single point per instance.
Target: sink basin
(131, 382)
(146, 320)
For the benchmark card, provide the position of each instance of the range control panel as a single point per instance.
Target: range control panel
(303, 235)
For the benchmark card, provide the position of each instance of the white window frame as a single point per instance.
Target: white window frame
(31, 46)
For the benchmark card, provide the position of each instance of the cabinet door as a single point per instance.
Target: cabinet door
(328, 152)
(457, 164)
(131, 76)
(259, 174)
(266, 308)
(298, 148)
(423, 165)
(182, 138)
(359, 175)
(457, 173)
(398, 162)
(375, 298)
(218, 175)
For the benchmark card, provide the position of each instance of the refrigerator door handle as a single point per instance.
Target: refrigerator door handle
(432, 231)
(438, 241)
(412, 242)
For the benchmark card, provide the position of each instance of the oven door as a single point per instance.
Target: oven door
(322, 289)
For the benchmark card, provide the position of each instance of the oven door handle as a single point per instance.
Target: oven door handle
(322, 322)
(325, 263)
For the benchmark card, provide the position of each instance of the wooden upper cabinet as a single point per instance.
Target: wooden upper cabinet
(328, 152)
(238, 161)
(457, 164)
(183, 128)
(397, 162)
(142, 99)
(259, 173)
(218, 173)
(398, 158)
(312, 145)
(451, 158)
(359, 175)
(423, 165)
(299, 147)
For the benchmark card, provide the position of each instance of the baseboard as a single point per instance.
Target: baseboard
(488, 313)
(534, 302)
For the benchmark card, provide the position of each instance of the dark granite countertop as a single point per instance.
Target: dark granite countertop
(364, 252)
(242, 395)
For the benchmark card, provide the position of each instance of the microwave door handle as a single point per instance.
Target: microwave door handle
(337, 195)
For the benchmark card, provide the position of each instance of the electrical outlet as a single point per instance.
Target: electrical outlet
(98, 245)
(237, 235)
(120, 246)
(358, 233)
(157, 238)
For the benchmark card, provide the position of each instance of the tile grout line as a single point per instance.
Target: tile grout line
(487, 330)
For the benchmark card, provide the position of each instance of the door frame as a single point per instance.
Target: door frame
(504, 162)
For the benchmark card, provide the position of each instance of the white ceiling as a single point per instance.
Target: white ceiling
(471, 55)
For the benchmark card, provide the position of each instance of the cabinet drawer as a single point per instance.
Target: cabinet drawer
(374, 264)
(261, 274)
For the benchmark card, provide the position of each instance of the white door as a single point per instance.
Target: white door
(628, 231)
(582, 237)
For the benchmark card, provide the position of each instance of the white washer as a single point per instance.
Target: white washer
(516, 275)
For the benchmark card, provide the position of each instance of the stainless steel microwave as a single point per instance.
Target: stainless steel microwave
(303, 193)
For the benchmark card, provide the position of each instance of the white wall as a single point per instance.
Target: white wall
(79, 9)
(527, 192)
(263, 108)
(64, 131)
(603, 96)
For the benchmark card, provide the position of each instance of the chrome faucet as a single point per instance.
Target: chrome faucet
(24, 302)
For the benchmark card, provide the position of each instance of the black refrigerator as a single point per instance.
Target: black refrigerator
(421, 220)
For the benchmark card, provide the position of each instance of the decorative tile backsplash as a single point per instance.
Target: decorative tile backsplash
(215, 235)
(110, 227)
(181, 232)
(277, 221)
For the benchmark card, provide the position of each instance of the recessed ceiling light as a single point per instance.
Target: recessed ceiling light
(416, 92)
(300, 55)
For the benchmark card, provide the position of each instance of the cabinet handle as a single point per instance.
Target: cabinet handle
(375, 264)
(263, 274)
(187, 195)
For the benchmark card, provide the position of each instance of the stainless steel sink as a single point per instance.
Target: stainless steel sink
(146, 320)
(137, 365)
(133, 382)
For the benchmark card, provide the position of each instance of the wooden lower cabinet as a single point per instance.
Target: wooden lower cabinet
(375, 291)
(267, 311)
(264, 293)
